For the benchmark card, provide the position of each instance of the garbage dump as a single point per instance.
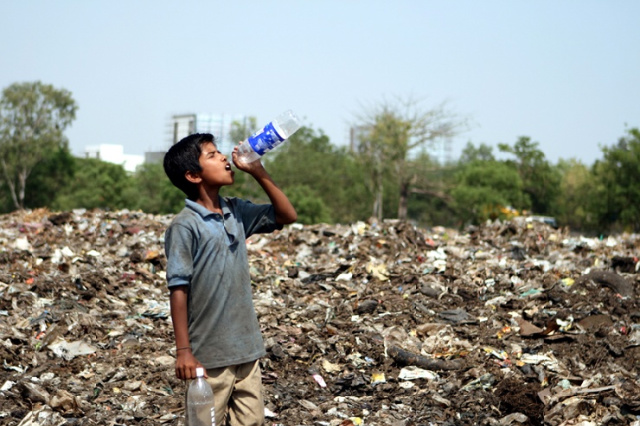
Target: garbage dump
(370, 323)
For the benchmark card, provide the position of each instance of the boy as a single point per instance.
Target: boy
(212, 311)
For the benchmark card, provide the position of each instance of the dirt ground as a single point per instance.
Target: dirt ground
(372, 323)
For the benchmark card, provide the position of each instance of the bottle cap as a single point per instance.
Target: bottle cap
(199, 372)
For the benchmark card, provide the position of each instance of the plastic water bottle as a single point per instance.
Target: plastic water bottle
(269, 137)
(200, 408)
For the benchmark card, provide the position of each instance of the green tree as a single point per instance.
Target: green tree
(430, 202)
(309, 206)
(309, 159)
(96, 184)
(51, 175)
(575, 203)
(617, 177)
(33, 117)
(241, 130)
(47, 179)
(391, 133)
(152, 192)
(485, 188)
(472, 153)
(373, 150)
(540, 179)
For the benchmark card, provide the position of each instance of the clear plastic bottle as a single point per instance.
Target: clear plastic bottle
(269, 137)
(200, 408)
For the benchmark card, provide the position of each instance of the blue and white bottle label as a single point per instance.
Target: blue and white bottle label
(265, 140)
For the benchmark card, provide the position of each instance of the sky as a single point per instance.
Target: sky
(564, 73)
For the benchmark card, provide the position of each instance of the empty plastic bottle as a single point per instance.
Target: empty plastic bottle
(269, 137)
(200, 408)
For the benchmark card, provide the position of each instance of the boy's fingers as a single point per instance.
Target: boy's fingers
(187, 371)
(180, 373)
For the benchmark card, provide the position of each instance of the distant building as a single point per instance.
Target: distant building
(219, 125)
(114, 154)
(180, 125)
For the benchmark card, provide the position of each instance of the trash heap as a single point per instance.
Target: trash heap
(509, 323)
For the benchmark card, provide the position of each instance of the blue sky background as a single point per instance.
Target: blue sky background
(565, 73)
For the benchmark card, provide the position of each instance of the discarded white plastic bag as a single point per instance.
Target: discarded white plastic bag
(70, 350)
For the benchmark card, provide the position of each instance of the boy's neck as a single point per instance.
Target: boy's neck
(210, 201)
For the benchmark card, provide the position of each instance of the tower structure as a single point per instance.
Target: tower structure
(219, 125)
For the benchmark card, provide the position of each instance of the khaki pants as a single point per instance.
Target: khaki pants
(237, 393)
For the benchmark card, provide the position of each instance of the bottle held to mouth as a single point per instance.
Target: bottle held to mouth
(269, 137)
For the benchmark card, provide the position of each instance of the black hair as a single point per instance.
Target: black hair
(184, 157)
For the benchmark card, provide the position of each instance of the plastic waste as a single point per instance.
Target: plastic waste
(200, 407)
(269, 137)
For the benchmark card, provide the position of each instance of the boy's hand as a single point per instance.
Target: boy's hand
(285, 212)
(251, 168)
(186, 365)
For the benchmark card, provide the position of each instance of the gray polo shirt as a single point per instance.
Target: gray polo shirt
(207, 252)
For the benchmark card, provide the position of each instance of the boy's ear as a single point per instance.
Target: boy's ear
(193, 177)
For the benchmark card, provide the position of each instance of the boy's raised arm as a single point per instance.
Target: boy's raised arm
(285, 212)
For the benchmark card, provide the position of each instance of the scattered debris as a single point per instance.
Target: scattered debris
(509, 323)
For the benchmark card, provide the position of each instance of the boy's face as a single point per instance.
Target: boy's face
(216, 169)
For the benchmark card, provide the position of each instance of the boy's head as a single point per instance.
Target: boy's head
(184, 157)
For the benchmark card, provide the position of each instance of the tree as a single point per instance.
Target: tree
(241, 130)
(33, 117)
(96, 184)
(308, 159)
(152, 192)
(391, 132)
(49, 178)
(617, 177)
(309, 206)
(431, 202)
(485, 188)
(540, 180)
(472, 153)
(576, 200)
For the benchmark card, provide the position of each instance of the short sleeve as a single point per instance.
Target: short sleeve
(179, 243)
(256, 218)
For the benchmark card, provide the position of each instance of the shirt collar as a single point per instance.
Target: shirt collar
(204, 212)
(230, 226)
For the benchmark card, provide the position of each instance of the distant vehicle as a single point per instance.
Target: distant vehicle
(551, 221)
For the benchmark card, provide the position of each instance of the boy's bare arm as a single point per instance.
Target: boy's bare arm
(285, 212)
(186, 363)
